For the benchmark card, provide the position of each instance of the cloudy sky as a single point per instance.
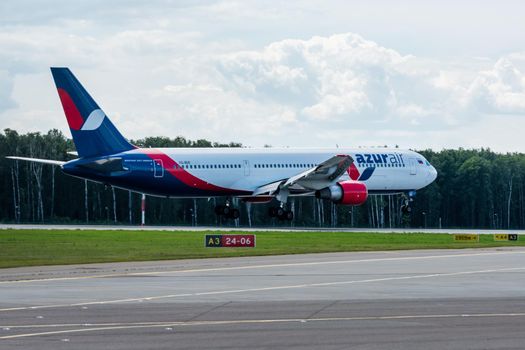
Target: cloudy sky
(418, 74)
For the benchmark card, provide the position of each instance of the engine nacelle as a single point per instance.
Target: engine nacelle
(346, 193)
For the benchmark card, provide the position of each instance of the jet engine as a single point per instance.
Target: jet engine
(345, 192)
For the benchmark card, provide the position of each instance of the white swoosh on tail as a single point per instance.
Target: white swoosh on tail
(94, 120)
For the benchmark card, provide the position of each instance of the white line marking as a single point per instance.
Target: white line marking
(314, 263)
(116, 326)
(261, 289)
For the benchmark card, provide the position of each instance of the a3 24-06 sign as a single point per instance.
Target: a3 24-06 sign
(232, 241)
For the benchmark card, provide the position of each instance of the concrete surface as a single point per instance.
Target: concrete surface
(453, 299)
(248, 229)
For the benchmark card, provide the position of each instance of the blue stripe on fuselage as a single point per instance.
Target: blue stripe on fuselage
(139, 176)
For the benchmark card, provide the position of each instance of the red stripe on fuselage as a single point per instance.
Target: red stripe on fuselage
(74, 119)
(175, 169)
(353, 172)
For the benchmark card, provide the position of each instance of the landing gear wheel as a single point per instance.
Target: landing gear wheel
(235, 214)
(406, 209)
(227, 211)
(285, 215)
(280, 213)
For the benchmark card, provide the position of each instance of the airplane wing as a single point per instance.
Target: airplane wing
(313, 179)
(38, 160)
(267, 189)
(322, 175)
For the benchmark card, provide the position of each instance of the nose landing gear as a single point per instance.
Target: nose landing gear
(406, 208)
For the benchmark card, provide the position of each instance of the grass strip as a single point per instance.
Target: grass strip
(60, 247)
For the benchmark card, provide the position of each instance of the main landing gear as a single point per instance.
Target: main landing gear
(280, 213)
(227, 211)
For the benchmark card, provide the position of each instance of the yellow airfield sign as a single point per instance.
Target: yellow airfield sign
(466, 237)
(505, 237)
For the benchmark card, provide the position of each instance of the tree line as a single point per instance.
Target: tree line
(474, 189)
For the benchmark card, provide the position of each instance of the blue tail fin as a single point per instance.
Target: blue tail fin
(92, 131)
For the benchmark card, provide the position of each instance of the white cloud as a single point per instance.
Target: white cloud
(499, 90)
(200, 70)
(345, 79)
(6, 87)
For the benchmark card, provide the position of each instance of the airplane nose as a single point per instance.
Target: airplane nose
(432, 174)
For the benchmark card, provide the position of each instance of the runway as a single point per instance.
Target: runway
(250, 229)
(453, 299)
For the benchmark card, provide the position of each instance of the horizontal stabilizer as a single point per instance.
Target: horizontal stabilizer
(38, 160)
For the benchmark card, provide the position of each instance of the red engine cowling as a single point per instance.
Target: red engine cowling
(346, 193)
(354, 193)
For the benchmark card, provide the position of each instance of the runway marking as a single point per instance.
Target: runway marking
(134, 325)
(261, 289)
(214, 269)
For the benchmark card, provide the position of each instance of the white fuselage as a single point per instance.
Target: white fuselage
(246, 169)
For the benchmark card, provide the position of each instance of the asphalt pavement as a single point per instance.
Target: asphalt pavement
(431, 299)
(232, 227)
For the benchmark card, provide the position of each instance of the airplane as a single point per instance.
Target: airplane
(257, 175)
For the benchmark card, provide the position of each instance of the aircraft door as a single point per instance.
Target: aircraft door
(413, 168)
(158, 168)
(246, 165)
